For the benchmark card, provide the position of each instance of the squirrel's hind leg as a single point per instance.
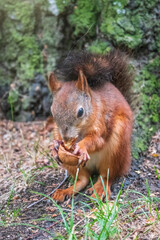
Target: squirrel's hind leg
(98, 187)
(61, 194)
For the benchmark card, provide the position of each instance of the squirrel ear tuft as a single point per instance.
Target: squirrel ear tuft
(82, 83)
(54, 84)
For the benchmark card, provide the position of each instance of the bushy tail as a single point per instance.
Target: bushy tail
(112, 67)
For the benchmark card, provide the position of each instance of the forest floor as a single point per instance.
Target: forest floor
(27, 170)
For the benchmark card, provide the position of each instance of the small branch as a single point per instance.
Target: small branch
(65, 178)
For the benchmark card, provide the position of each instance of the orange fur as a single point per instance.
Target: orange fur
(104, 135)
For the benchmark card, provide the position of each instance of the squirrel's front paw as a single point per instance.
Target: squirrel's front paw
(84, 156)
(54, 146)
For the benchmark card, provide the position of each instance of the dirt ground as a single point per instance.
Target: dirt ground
(27, 169)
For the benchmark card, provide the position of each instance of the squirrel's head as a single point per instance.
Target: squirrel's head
(71, 107)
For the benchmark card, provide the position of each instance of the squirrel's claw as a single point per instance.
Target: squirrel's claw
(55, 156)
(54, 146)
(84, 156)
(76, 150)
(83, 159)
(61, 195)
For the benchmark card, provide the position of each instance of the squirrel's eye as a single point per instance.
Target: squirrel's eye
(80, 112)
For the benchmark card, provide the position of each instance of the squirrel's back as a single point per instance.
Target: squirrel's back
(99, 69)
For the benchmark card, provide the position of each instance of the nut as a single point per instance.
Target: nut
(67, 157)
(70, 145)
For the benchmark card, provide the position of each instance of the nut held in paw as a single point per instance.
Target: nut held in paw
(67, 157)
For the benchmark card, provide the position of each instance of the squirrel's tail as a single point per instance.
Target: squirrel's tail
(98, 69)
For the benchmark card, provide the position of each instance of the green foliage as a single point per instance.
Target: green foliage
(147, 119)
(104, 218)
(127, 23)
(10, 212)
(23, 38)
(99, 47)
(13, 96)
(29, 39)
(51, 39)
(21, 47)
(62, 4)
(118, 26)
(101, 220)
(13, 100)
(84, 17)
(154, 107)
(34, 62)
(122, 22)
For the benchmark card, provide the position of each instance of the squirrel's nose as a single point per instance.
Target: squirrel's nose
(64, 131)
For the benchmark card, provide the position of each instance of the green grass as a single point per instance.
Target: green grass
(101, 220)
(9, 213)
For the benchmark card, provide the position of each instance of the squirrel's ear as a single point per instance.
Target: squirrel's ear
(82, 83)
(54, 84)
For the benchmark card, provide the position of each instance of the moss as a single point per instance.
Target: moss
(147, 117)
(99, 47)
(123, 22)
(154, 107)
(84, 17)
(118, 26)
(29, 44)
(63, 4)
(31, 52)
(20, 47)
(25, 36)
(51, 39)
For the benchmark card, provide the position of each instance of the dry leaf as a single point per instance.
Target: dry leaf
(150, 220)
(51, 209)
(35, 199)
(15, 197)
(155, 155)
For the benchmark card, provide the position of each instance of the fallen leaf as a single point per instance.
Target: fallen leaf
(79, 211)
(51, 209)
(35, 199)
(15, 197)
(155, 155)
(150, 220)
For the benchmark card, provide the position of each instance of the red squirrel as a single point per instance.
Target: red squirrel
(90, 104)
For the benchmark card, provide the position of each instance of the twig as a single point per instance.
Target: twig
(65, 178)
